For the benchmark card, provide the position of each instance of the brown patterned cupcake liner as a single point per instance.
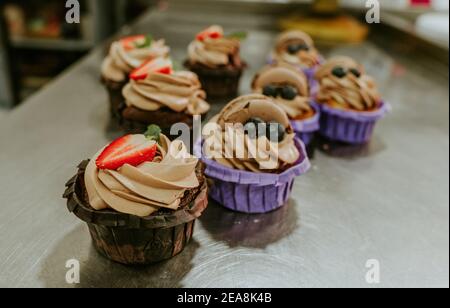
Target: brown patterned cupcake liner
(132, 240)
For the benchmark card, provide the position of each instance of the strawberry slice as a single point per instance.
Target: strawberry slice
(131, 149)
(131, 42)
(158, 65)
(212, 32)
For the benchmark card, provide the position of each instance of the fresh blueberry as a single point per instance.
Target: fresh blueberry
(255, 128)
(355, 72)
(270, 90)
(293, 49)
(303, 47)
(339, 72)
(289, 93)
(276, 132)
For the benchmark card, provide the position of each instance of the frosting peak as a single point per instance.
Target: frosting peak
(228, 144)
(122, 59)
(180, 92)
(296, 48)
(282, 75)
(345, 85)
(215, 51)
(144, 189)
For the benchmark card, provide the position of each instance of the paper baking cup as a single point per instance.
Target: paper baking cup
(252, 193)
(306, 129)
(349, 126)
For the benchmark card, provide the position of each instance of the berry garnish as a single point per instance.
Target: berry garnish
(270, 90)
(138, 41)
(339, 72)
(289, 92)
(255, 128)
(211, 33)
(131, 149)
(159, 65)
(355, 72)
(295, 48)
(276, 132)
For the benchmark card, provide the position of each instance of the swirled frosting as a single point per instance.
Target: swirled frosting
(303, 58)
(354, 92)
(227, 143)
(285, 75)
(120, 61)
(215, 52)
(144, 189)
(180, 91)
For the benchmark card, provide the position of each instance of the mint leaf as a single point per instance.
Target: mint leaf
(147, 43)
(241, 35)
(153, 133)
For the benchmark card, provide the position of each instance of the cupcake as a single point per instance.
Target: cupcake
(140, 197)
(158, 95)
(252, 155)
(215, 58)
(289, 88)
(350, 102)
(124, 56)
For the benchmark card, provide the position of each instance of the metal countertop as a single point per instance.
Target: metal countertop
(390, 202)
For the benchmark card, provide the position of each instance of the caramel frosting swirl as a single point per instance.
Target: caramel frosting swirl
(352, 91)
(286, 75)
(217, 52)
(180, 91)
(227, 143)
(304, 58)
(143, 190)
(120, 61)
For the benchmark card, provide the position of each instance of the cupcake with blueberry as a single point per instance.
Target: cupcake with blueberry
(140, 196)
(252, 155)
(289, 88)
(350, 101)
(156, 94)
(124, 56)
(297, 48)
(215, 58)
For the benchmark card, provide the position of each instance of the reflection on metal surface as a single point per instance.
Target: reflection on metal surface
(99, 272)
(350, 151)
(255, 231)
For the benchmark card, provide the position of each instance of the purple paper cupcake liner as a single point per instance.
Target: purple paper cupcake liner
(306, 129)
(349, 126)
(249, 192)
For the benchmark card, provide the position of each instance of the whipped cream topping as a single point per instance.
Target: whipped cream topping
(303, 58)
(354, 92)
(180, 91)
(215, 52)
(120, 61)
(143, 190)
(286, 75)
(227, 143)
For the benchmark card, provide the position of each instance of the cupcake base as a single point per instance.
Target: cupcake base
(252, 193)
(131, 240)
(116, 100)
(219, 82)
(350, 127)
(306, 129)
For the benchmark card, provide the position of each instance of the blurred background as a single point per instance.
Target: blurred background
(36, 44)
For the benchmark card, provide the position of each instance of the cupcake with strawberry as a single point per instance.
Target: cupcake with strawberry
(252, 156)
(215, 58)
(289, 88)
(140, 196)
(350, 102)
(124, 56)
(156, 94)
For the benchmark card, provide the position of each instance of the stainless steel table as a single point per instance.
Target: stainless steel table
(389, 202)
